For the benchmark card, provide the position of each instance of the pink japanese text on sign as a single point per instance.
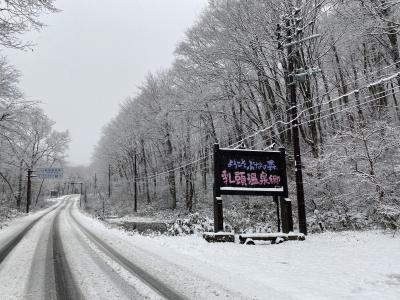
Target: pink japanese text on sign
(251, 172)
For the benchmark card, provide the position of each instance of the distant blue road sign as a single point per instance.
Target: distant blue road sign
(49, 173)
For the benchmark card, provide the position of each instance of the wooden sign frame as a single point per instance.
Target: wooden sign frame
(250, 172)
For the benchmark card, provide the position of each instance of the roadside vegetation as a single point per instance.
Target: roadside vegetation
(27, 136)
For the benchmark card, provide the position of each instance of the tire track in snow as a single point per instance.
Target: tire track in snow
(65, 285)
(127, 286)
(9, 246)
(151, 281)
(41, 284)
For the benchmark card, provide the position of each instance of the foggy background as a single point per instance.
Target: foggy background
(93, 54)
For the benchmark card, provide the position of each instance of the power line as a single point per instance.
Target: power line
(141, 179)
(315, 106)
(324, 103)
(255, 133)
(288, 110)
(345, 109)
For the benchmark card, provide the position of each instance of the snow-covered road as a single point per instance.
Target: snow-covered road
(61, 253)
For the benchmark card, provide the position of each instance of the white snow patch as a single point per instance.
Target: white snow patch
(347, 265)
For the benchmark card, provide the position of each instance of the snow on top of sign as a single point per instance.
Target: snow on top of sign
(218, 233)
(229, 188)
(272, 234)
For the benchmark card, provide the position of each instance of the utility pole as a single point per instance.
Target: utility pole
(28, 191)
(291, 23)
(109, 181)
(135, 184)
(80, 196)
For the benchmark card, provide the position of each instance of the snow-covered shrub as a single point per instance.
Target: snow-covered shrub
(354, 184)
(251, 215)
(194, 223)
(7, 213)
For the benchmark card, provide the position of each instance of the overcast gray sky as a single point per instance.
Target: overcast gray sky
(93, 54)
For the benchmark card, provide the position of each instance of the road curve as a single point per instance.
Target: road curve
(62, 254)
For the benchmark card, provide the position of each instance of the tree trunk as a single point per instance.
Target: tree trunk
(146, 174)
(19, 196)
(170, 166)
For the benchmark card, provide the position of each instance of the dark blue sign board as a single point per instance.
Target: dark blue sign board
(250, 172)
(49, 173)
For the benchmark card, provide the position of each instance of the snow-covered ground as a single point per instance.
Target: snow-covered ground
(12, 226)
(328, 266)
(137, 219)
(347, 265)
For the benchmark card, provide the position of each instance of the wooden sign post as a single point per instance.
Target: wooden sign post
(250, 172)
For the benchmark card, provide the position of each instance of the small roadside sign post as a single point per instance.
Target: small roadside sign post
(41, 173)
(250, 172)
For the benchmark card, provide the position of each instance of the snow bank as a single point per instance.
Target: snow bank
(346, 265)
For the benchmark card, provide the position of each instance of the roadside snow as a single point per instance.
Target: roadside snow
(135, 219)
(13, 227)
(352, 265)
(23, 271)
(347, 265)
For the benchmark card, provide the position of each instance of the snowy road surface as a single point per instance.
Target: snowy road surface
(61, 253)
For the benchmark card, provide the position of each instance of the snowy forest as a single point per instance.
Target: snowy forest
(229, 84)
(28, 139)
